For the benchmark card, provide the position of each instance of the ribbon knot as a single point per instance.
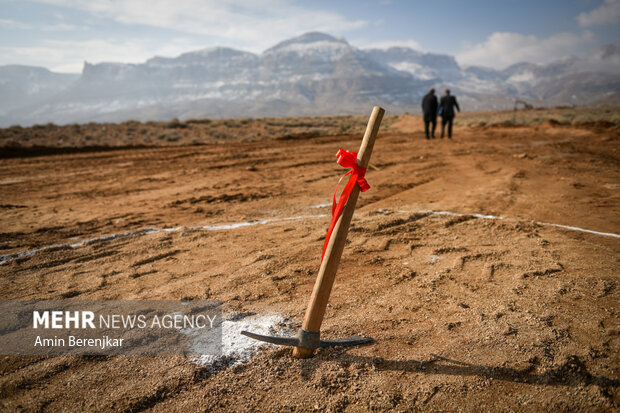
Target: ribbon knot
(346, 159)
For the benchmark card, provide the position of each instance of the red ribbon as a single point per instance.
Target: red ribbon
(346, 159)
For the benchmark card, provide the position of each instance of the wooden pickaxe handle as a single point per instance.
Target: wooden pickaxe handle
(331, 260)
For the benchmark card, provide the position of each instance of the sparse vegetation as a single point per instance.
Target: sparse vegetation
(177, 124)
(561, 115)
(191, 131)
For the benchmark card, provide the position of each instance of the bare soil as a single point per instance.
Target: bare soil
(468, 313)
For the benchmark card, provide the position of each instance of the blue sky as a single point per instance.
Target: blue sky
(62, 34)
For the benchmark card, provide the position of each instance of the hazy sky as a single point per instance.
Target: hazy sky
(62, 34)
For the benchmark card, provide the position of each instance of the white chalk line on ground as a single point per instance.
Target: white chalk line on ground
(589, 231)
(4, 259)
(481, 216)
(318, 206)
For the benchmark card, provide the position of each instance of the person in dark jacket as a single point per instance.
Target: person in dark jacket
(429, 109)
(446, 110)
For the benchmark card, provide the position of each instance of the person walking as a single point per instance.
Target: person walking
(447, 104)
(429, 110)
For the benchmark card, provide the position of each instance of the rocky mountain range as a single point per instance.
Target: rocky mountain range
(313, 74)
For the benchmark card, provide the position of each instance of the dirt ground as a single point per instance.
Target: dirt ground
(469, 313)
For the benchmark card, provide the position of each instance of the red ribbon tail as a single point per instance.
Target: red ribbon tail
(337, 208)
(336, 191)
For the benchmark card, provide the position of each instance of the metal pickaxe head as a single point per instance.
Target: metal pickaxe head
(310, 340)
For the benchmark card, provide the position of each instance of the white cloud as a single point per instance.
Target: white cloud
(412, 44)
(59, 27)
(69, 56)
(12, 24)
(253, 26)
(607, 13)
(501, 50)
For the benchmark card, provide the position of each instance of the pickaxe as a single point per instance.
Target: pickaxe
(308, 338)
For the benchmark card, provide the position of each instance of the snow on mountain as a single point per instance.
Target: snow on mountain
(320, 45)
(312, 74)
(421, 65)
